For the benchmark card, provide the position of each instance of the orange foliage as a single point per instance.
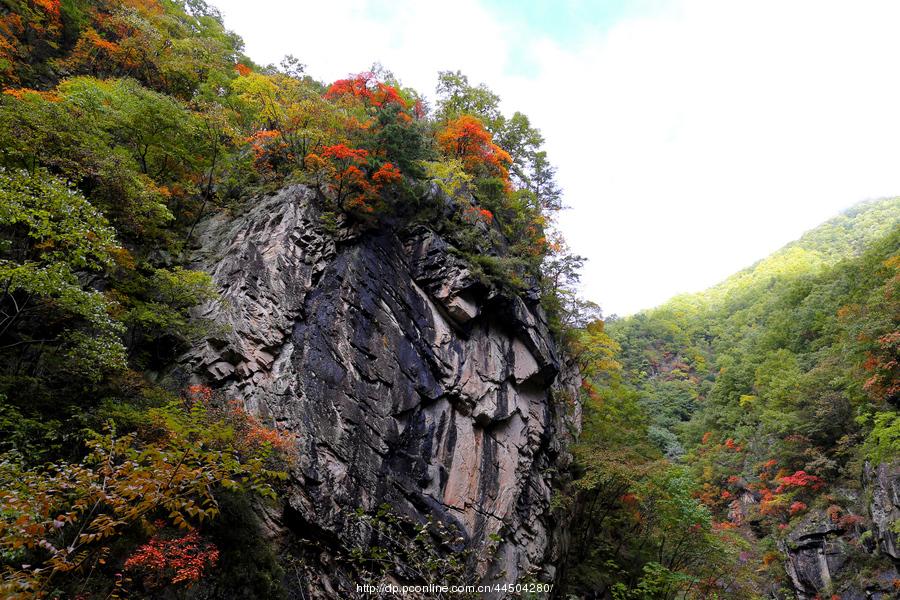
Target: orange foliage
(173, 561)
(356, 86)
(419, 110)
(267, 147)
(365, 87)
(386, 94)
(122, 258)
(732, 445)
(797, 507)
(709, 495)
(254, 435)
(884, 366)
(344, 167)
(250, 434)
(769, 503)
(71, 516)
(466, 138)
(344, 152)
(800, 479)
(351, 183)
(96, 41)
(264, 134)
(844, 521)
(22, 93)
(22, 34)
(387, 173)
(849, 521)
(49, 6)
(198, 394)
(473, 214)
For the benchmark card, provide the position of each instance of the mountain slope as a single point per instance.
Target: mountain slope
(772, 389)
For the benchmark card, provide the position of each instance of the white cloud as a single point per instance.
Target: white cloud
(338, 37)
(690, 142)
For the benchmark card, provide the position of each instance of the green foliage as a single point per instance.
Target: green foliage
(256, 574)
(638, 531)
(449, 175)
(457, 97)
(85, 135)
(70, 524)
(57, 329)
(155, 128)
(59, 224)
(883, 442)
(382, 547)
(765, 347)
(402, 143)
(775, 384)
(51, 233)
(156, 307)
(176, 46)
(390, 545)
(523, 204)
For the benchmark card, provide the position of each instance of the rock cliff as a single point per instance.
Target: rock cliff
(406, 379)
(884, 481)
(817, 551)
(849, 558)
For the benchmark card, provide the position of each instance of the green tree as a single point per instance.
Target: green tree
(52, 236)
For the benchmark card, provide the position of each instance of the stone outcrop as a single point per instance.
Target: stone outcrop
(824, 555)
(406, 379)
(816, 554)
(884, 509)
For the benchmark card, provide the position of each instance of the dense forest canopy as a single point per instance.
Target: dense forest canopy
(765, 395)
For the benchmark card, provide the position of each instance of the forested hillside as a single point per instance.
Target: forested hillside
(770, 398)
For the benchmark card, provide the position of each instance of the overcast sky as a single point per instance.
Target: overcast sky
(692, 137)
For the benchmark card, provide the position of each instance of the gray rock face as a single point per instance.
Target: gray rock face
(816, 554)
(824, 554)
(885, 506)
(405, 379)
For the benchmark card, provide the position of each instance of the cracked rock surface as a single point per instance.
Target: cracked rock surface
(884, 508)
(406, 380)
(825, 557)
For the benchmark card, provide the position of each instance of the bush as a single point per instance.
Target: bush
(67, 524)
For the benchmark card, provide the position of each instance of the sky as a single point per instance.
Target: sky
(691, 137)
